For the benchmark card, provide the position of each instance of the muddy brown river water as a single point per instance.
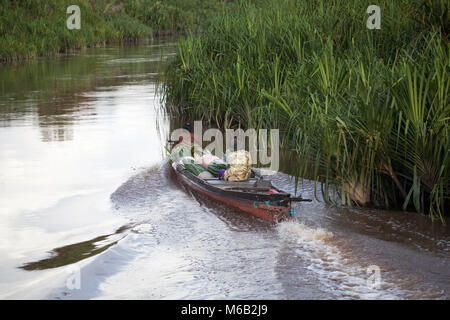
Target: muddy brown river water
(89, 209)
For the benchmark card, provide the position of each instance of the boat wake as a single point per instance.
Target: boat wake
(344, 273)
(177, 246)
(304, 232)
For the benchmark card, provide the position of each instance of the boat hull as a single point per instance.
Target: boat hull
(261, 209)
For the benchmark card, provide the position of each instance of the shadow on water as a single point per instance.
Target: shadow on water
(78, 251)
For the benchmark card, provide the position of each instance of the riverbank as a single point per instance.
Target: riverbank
(364, 111)
(38, 28)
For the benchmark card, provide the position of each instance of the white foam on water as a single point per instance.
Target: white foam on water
(346, 279)
(304, 232)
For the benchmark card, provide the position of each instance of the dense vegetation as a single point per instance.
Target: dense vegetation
(365, 112)
(175, 15)
(30, 28)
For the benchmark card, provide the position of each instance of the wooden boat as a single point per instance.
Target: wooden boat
(251, 197)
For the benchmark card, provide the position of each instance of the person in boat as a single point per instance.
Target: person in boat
(186, 137)
(238, 165)
(186, 144)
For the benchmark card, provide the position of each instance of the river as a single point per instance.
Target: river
(89, 208)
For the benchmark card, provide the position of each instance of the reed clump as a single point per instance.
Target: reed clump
(364, 112)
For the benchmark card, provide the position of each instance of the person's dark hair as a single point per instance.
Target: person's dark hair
(187, 126)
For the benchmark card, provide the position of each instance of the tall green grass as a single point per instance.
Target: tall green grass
(30, 28)
(175, 15)
(366, 112)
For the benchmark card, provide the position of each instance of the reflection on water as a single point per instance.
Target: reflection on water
(76, 252)
(72, 129)
(51, 93)
(83, 184)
